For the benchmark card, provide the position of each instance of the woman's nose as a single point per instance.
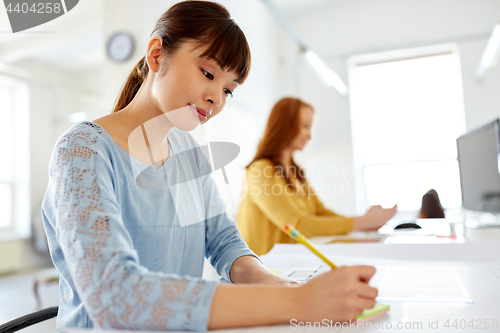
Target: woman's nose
(214, 98)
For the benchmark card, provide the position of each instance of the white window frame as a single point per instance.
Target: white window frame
(378, 58)
(20, 226)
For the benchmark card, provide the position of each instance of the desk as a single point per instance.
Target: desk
(477, 264)
(427, 235)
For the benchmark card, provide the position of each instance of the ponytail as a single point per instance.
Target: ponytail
(132, 85)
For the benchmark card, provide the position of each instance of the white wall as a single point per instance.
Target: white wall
(346, 28)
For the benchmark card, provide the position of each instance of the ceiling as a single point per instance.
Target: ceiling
(74, 42)
(70, 42)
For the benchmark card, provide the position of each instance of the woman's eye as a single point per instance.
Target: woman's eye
(208, 74)
(228, 93)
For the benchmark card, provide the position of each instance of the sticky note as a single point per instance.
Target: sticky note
(377, 311)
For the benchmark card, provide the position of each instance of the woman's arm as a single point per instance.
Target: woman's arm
(320, 208)
(248, 269)
(96, 254)
(276, 200)
(374, 218)
(337, 295)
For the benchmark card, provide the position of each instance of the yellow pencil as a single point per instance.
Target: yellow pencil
(368, 314)
(295, 234)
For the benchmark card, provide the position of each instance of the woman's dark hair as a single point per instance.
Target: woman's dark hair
(205, 22)
(282, 127)
(431, 206)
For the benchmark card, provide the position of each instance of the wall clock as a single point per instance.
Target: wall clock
(120, 46)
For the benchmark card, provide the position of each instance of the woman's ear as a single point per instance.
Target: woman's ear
(153, 53)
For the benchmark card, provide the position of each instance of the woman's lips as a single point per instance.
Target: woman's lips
(201, 117)
(199, 112)
(203, 114)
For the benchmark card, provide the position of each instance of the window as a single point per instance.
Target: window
(14, 152)
(407, 111)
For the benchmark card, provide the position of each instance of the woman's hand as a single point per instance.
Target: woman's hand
(374, 218)
(338, 295)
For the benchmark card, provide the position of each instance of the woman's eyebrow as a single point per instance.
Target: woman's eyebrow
(218, 62)
(212, 59)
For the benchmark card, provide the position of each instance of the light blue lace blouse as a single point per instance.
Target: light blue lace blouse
(115, 237)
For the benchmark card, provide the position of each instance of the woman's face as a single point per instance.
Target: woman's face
(190, 89)
(304, 134)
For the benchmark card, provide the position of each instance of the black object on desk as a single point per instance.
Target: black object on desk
(408, 225)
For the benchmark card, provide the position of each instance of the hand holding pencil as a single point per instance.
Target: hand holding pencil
(349, 285)
(341, 294)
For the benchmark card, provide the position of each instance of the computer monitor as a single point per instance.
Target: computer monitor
(478, 160)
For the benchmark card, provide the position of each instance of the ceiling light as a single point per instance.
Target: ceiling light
(491, 52)
(324, 73)
(315, 64)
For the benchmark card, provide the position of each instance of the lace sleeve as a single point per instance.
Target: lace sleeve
(223, 240)
(115, 290)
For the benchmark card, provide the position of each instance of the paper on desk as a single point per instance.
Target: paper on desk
(302, 273)
(400, 284)
(420, 284)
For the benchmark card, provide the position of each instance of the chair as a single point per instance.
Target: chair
(49, 275)
(28, 320)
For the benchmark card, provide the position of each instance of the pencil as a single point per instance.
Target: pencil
(295, 234)
(368, 314)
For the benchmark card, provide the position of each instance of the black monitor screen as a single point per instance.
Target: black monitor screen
(478, 153)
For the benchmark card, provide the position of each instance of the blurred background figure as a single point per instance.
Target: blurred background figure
(431, 206)
(279, 193)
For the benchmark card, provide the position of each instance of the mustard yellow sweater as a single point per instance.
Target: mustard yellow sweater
(271, 204)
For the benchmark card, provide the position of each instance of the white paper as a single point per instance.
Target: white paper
(420, 284)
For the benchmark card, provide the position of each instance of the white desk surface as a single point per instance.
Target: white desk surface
(477, 264)
(433, 231)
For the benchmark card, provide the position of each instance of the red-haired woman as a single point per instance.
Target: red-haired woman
(278, 192)
(131, 209)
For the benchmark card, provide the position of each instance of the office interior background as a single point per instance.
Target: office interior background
(410, 66)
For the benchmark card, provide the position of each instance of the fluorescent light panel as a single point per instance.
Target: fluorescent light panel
(491, 52)
(324, 73)
(490, 55)
(315, 64)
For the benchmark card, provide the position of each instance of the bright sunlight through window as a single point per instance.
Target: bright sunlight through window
(14, 152)
(407, 111)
